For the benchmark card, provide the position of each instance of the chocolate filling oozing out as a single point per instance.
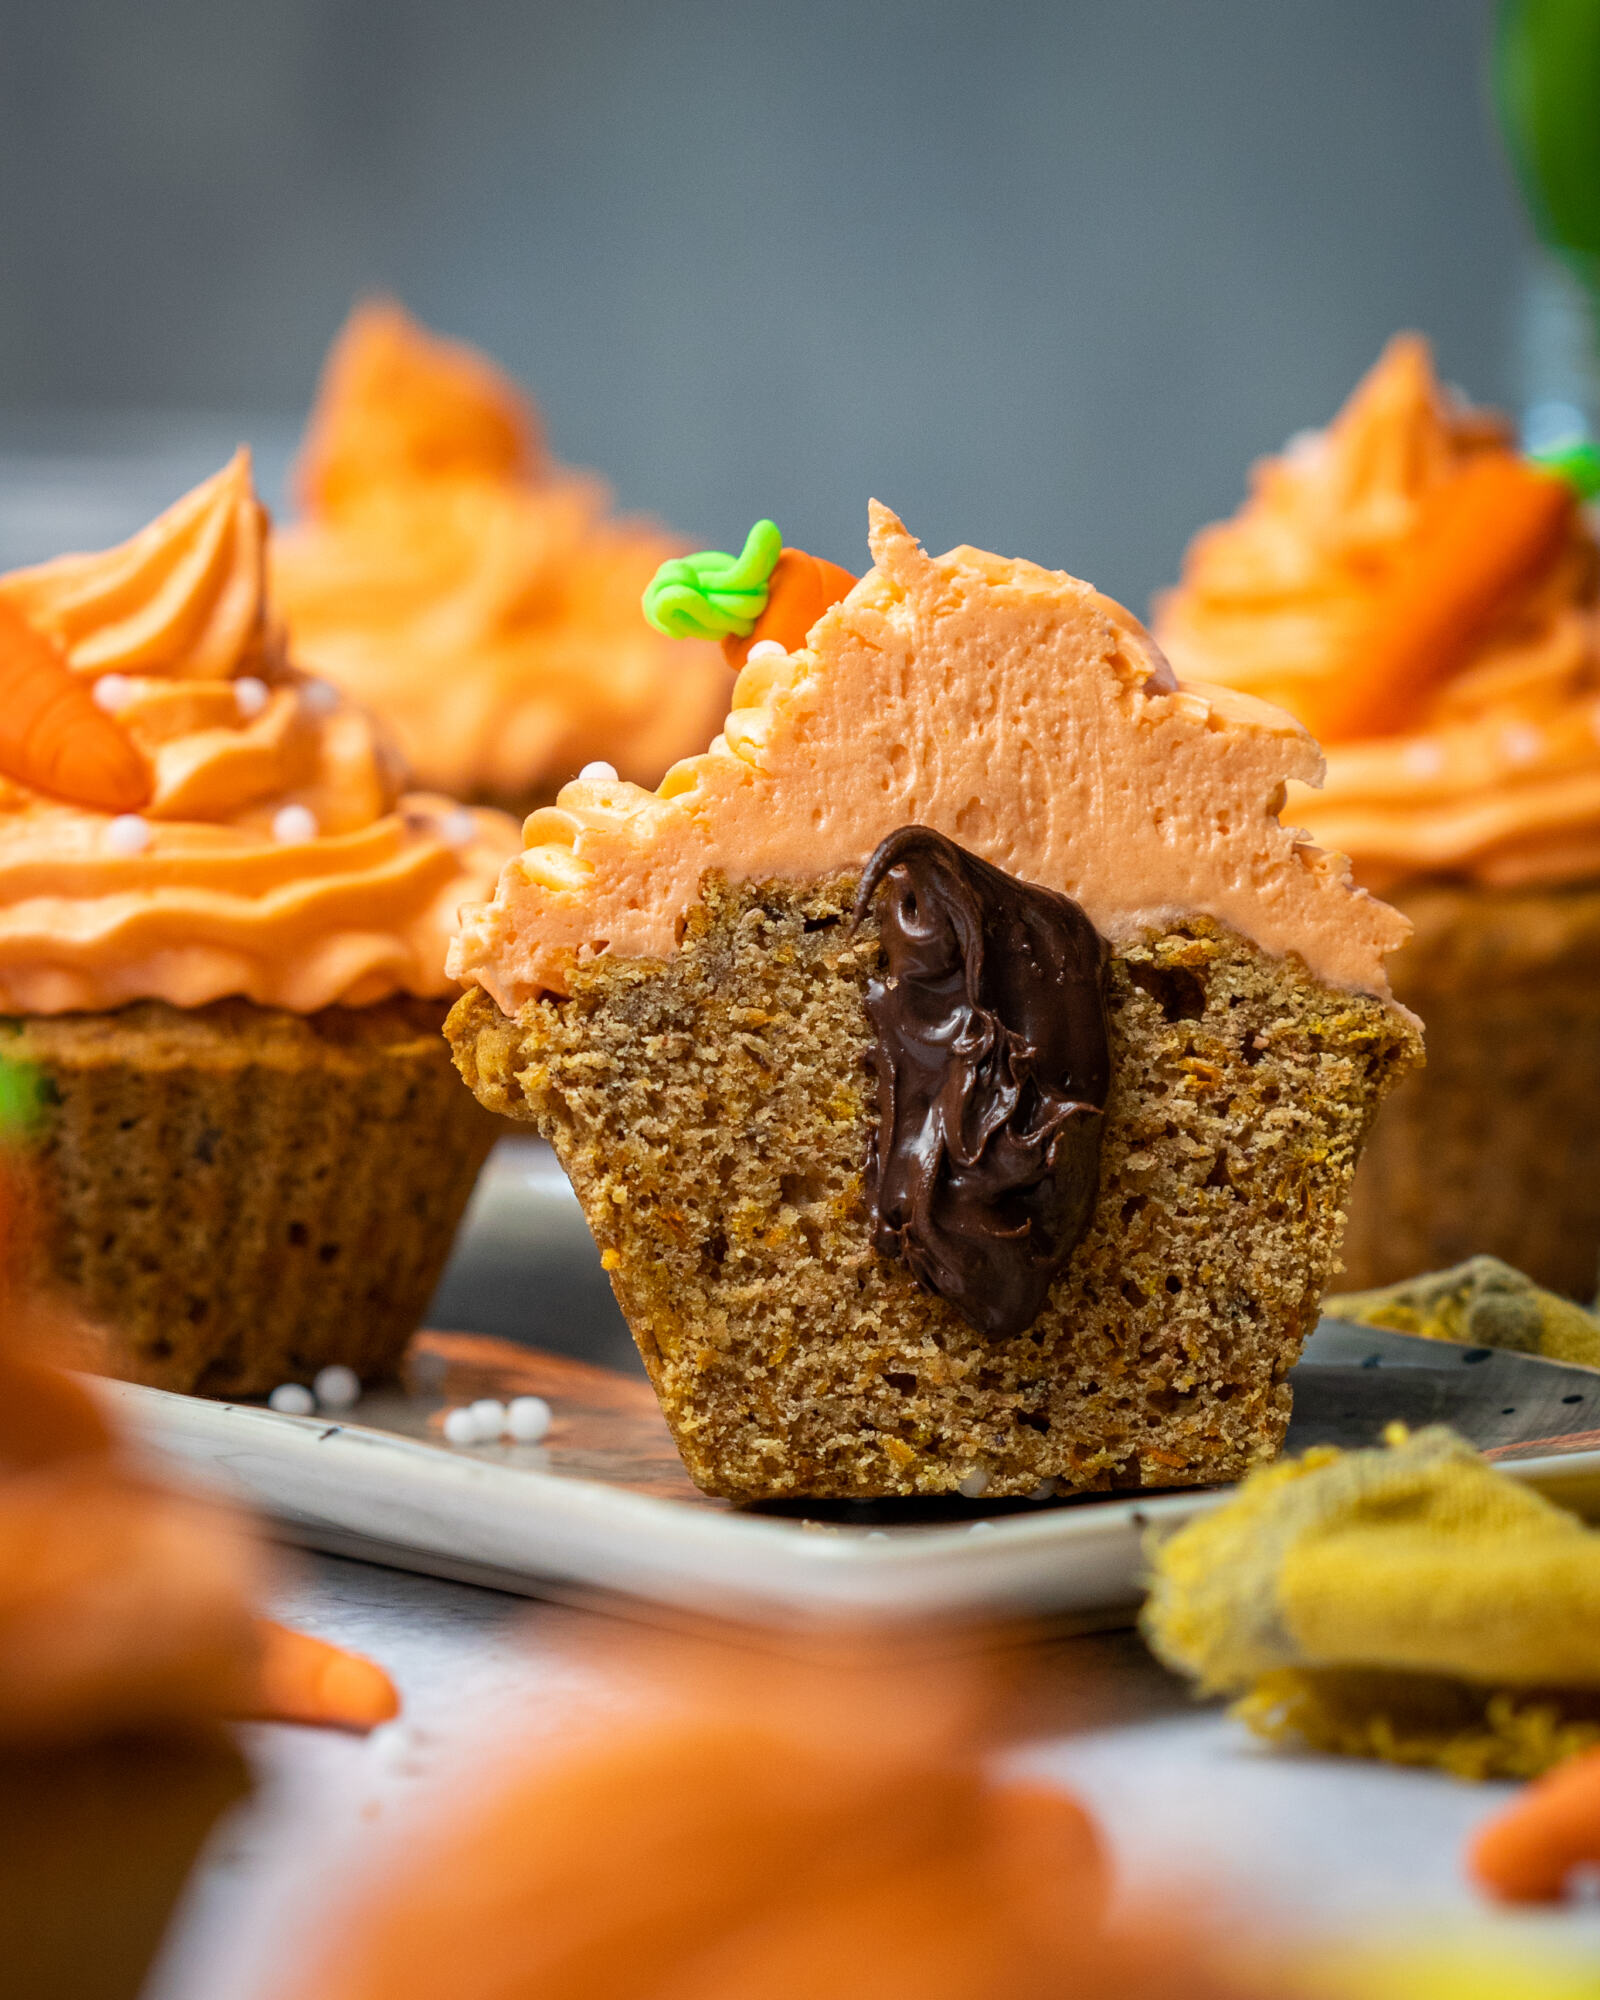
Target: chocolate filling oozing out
(993, 1065)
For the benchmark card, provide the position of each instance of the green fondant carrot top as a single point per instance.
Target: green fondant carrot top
(711, 595)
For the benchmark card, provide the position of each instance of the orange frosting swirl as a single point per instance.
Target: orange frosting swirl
(275, 859)
(1474, 749)
(471, 592)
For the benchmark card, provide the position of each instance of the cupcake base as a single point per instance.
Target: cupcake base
(1495, 1147)
(713, 1114)
(235, 1195)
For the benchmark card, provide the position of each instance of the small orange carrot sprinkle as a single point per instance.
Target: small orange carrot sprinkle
(802, 587)
(1482, 536)
(1526, 1853)
(53, 737)
(302, 1679)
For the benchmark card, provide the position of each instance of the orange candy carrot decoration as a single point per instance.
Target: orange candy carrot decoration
(1526, 1853)
(53, 737)
(1482, 536)
(801, 589)
(765, 593)
(302, 1679)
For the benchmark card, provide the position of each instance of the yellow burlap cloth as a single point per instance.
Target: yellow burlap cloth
(1485, 1304)
(1407, 1602)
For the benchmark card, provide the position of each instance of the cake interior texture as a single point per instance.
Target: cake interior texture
(234, 1195)
(712, 1113)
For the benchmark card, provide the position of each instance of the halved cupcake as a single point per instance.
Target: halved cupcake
(1428, 602)
(450, 575)
(961, 1070)
(222, 944)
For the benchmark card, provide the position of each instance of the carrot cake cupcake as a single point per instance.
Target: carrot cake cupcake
(1424, 599)
(960, 1068)
(450, 575)
(222, 945)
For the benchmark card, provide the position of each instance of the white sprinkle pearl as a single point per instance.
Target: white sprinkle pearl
(981, 1528)
(321, 697)
(528, 1418)
(292, 1399)
(294, 823)
(766, 649)
(489, 1414)
(1045, 1490)
(336, 1387)
(251, 693)
(976, 1483)
(113, 691)
(128, 834)
(598, 774)
(460, 1426)
(460, 827)
(390, 1745)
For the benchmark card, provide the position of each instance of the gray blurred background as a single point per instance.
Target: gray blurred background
(1044, 276)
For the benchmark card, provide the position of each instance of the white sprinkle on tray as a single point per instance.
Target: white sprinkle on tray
(524, 1420)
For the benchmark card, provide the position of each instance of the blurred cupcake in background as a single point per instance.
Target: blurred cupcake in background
(1424, 599)
(447, 573)
(222, 945)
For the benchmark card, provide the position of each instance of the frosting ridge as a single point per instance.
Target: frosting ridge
(1010, 708)
(1472, 747)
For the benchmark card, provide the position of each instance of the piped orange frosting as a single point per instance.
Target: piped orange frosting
(1426, 600)
(184, 598)
(1012, 708)
(476, 595)
(398, 404)
(274, 856)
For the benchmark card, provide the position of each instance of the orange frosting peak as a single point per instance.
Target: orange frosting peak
(184, 597)
(1425, 600)
(399, 403)
(1009, 707)
(475, 596)
(260, 845)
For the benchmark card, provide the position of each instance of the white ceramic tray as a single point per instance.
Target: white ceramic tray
(602, 1509)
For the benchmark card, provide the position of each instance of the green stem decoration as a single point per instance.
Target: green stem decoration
(711, 595)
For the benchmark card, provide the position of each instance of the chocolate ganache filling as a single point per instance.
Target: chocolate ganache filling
(992, 1065)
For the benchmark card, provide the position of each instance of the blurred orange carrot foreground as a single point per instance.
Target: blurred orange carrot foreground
(302, 1679)
(1529, 1852)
